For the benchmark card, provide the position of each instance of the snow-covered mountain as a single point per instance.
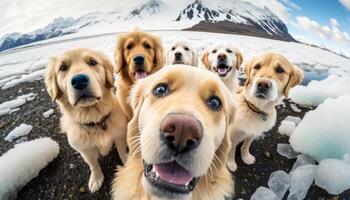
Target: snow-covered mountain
(221, 16)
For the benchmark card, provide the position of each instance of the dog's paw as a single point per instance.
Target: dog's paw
(95, 181)
(232, 166)
(248, 159)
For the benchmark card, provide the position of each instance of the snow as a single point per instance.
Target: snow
(23, 163)
(333, 175)
(12, 105)
(295, 108)
(48, 113)
(279, 182)
(325, 132)
(317, 92)
(263, 193)
(286, 128)
(296, 120)
(286, 150)
(302, 160)
(300, 181)
(37, 75)
(19, 131)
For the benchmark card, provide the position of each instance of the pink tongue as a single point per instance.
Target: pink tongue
(140, 75)
(222, 70)
(173, 173)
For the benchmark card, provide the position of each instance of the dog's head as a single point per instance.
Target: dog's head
(223, 60)
(79, 77)
(181, 52)
(179, 128)
(138, 54)
(270, 77)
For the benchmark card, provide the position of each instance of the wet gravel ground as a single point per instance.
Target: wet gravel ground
(67, 176)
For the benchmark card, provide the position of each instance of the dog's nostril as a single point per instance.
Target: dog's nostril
(170, 138)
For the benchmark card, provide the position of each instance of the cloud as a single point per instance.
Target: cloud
(331, 32)
(346, 3)
(291, 4)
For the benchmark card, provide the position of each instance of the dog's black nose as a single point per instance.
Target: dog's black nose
(263, 85)
(222, 57)
(139, 60)
(181, 133)
(178, 55)
(80, 81)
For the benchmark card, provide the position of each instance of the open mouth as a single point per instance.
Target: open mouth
(170, 176)
(140, 74)
(223, 69)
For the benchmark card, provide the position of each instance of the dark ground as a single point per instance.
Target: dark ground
(67, 176)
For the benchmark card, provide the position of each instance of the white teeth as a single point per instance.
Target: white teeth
(157, 175)
(187, 183)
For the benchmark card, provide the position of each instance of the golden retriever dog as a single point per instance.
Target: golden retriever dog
(178, 138)
(81, 81)
(269, 79)
(137, 55)
(181, 52)
(224, 60)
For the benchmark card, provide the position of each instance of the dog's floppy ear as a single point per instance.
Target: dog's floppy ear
(109, 73)
(159, 59)
(296, 76)
(205, 59)
(51, 81)
(247, 68)
(118, 54)
(239, 59)
(135, 101)
(194, 57)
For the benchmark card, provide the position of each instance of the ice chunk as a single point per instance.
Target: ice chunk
(279, 183)
(286, 128)
(263, 193)
(317, 92)
(48, 113)
(296, 120)
(12, 104)
(24, 162)
(19, 131)
(300, 181)
(302, 160)
(27, 97)
(333, 175)
(295, 108)
(286, 150)
(325, 131)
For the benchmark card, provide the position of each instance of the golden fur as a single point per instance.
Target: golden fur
(90, 142)
(143, 137)
(128, 46)
(248, 124)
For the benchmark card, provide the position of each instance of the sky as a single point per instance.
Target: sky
(322, 22)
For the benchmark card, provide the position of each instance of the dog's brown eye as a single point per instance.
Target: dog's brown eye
(147, 46)
(279, 70)
(228, 51)
(173, 48)
(214, 51)
(257, 66)
(161, 90)
(92, 62)
(130, 46)
(186, 49)
(63, 67)
(214, 103)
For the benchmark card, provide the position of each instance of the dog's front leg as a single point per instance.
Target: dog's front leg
(122, 148)
(96, 176)
(245, 154)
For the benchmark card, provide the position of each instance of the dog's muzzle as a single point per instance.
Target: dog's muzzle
(80, 84)
(263, 88)
(139, 62)
(222, 68)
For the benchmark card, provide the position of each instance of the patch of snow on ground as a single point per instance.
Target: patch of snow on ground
(37, 75)
(19, 131)
(6, 107)
(317, 92)
(325, 132)
(286, 127)
(295, 108)
(23, 163)
(333, 175)
(296, 120)
(48, 113)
